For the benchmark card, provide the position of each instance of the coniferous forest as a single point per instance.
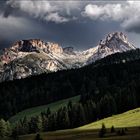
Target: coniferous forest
(107, 87)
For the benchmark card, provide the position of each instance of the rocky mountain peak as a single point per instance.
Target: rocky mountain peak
(34, 56)
(113, 43)
(116, 42)
(36, 45)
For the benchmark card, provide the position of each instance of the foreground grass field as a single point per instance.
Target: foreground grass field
(130, 119)
(37, 110)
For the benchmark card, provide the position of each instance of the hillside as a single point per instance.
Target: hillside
(37, 110)
(129, 119)
(106, 88)
(117, 75)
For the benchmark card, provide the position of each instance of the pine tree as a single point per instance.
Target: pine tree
(35, 124)
(112, 129)
(52, 123)
(14, 134)
(69, 106)
(66, 120)
(112, 104)
(48, 112)
(74, 116)
(3, 128)
(94, 110)
(70, 113)
(44, 123)
(39, 124)
(108, 106)
(90, 111)
(102, 131)
(38, 137)
(8, 129)
(81, 115)
(25, 125)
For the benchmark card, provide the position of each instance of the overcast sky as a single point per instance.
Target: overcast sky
(70, 23)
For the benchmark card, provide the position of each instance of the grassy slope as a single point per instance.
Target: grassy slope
(128, 119)
(89, 132)
(37, 110)
(131, 134)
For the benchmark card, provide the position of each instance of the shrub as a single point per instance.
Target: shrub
(102, 131)
(126, 129)
(112, 129)
(121, 132)
(38, 137)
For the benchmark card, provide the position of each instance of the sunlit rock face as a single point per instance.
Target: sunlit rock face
(32, 57)
(36, 45)
(113, 43)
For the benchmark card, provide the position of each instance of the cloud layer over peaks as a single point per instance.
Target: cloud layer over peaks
(127, 13)
(77, 23)
(59, 11)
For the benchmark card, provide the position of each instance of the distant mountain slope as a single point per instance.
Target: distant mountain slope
(33, 57)
(117, 74)
(32, 112)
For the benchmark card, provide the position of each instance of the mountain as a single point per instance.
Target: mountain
(34, 56)
(110, 75)
(113, 43)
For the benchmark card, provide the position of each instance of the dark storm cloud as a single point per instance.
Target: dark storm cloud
(127, 13)
(55, 11)
(133, 26)
(7, 11)
(4, 43)
(67, 23)
(81, 34)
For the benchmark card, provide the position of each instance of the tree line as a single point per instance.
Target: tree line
(73, 115)
(109, 75)
(106, 89)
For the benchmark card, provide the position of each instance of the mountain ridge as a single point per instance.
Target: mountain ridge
(34, 56)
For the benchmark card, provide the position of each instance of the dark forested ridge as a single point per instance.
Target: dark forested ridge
(116, 77)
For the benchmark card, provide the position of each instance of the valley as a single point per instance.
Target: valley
(129, 120)
(69, 70)
(71, 102)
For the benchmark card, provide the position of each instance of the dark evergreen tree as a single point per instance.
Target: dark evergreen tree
(35, 124)
(44, 123)
(102, 131)
(38, 137)
(3, 128)
(81, 115)
(112, 129)
(69, 106)
(65, 120)
(48, 112)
